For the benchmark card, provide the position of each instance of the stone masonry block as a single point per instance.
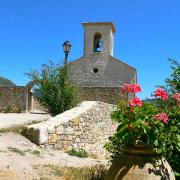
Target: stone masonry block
(53, 138)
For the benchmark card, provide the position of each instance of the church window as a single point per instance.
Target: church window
(95, 70)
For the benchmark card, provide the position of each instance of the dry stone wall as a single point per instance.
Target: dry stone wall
(17, 99)
(87, 127)
(12, 97)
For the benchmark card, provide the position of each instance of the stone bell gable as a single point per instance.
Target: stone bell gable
(98, 74)
(98, 70)
(95, 32)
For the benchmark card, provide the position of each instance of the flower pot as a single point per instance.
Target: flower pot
(139, 163)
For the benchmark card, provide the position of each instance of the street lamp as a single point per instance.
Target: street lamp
(66, 47)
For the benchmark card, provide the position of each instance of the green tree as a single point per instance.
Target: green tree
(173, 86)
(173, 82)
(53, 89)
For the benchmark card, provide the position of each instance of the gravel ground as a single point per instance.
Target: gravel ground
(11, 119)
(18, 157)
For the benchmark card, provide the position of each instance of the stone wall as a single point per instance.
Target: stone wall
(18, 98)
(36, 105)
(111, 71)
(110, 95)
(87, 127)
(12, 97)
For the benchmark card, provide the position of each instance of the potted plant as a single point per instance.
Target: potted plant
(146, 133)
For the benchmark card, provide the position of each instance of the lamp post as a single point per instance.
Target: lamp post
(66, 47)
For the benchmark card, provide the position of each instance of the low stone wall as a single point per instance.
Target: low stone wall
(110, 95)
(21, 97)
(12, 97)
(18, 98)
(87, 127)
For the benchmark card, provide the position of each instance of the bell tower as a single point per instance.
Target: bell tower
(98, 38)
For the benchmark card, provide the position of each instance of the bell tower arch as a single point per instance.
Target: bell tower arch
(98, 38)
(97, 43)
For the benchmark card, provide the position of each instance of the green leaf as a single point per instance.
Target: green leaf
(156, 142)
(144, 130)
(174, 128)
(121, 127)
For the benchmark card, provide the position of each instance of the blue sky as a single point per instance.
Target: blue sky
(32, 33)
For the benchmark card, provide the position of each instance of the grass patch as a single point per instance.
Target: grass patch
(93, 173)
(16, 128)
(49, 172)
(10, 109)
(45, 178)
(24, 152)
(36, 152)
(18, 151)
(6, 174)
(52, 172)
(80, 153)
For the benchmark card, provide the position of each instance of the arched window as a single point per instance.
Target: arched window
(97, 43)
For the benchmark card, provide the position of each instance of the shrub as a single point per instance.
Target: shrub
(154, 125)
(53, 89)
(10, 109)
(173, 86)
(142, 116)
(79, 153)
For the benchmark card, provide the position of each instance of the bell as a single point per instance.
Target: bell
(98, 45)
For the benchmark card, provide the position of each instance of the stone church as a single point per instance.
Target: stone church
(99, 75)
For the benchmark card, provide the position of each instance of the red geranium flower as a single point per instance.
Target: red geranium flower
(136, 102)
(131, 88)
(161, 93)
(162, 117)
(176, 97)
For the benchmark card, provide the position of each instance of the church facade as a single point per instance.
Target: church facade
(99, 75)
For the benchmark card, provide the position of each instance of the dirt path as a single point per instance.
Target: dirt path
(19, 158)
(10, 119)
